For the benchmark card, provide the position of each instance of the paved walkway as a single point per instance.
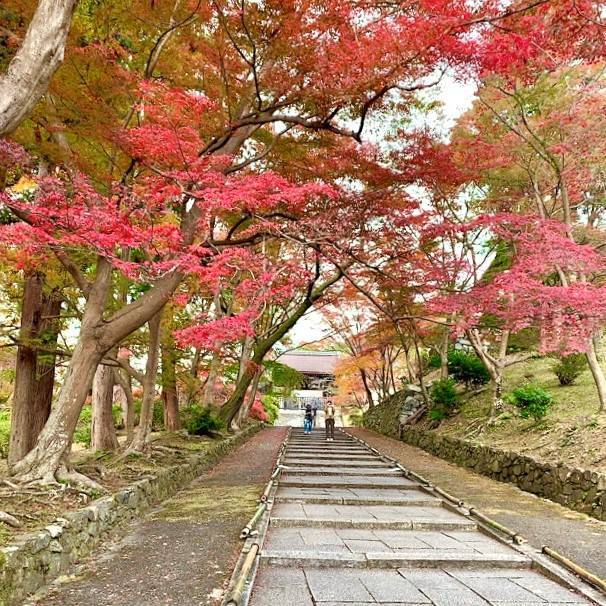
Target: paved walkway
(578, 536)
(184, 552)
(347, 529)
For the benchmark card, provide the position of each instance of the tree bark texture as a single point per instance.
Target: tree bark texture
(597, 373)
(249, 400)
(103, 431)
(43, 461)
(122, 379)
(146, 417)
(31, 69)
(34, 371)
(170, 396)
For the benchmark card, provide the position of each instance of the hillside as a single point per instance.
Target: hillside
(572, 432)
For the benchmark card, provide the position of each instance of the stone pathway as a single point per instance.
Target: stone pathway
(576, 535)
(183, 552)
(347, 529)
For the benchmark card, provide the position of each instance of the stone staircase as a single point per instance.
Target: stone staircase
(348, 529)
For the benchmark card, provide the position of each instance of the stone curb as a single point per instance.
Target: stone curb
(38, 557)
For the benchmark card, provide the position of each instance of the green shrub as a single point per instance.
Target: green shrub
(444, 398)
(433, 359)
(356, 418)
(437, 414)
(532, 400)
(569, 368)
(271, 408)
(200, 421)
(82, 435)
(5, 430)
(467, 369)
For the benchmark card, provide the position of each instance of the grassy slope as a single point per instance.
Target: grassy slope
(571, 433)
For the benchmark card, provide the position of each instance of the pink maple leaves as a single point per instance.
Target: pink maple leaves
(547, 286)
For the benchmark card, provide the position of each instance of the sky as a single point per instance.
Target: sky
(456, 98)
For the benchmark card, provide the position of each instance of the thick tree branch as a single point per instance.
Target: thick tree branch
(32, 68)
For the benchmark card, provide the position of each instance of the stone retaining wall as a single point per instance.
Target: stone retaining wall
(579, 489)
(39, 557)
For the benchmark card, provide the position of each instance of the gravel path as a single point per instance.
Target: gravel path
(184, 552)
(542, 522)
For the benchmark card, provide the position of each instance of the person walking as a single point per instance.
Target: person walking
(315, 413)
(329, 421)
(308, 419)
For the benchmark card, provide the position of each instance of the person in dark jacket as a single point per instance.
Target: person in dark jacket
(308, 419)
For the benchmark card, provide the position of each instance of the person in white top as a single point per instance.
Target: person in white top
(329, 420)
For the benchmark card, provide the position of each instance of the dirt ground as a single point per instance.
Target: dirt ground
(542, 522)
(182, 553)
(37, 506)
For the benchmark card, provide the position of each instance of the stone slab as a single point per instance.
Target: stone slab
(353, 481)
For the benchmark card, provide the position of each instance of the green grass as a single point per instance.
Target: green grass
(5, 428)
(572, 431)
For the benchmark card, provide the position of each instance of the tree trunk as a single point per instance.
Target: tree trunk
(244, 411)
(208, 393)
(369, 397)
(32, 68)
(443, 351)
(103, 430)
(421, 379)
(45, 459)
(193, 383)
(34, 372)
(146, 417)
(170, 397)
(598, 374)
(123, 380)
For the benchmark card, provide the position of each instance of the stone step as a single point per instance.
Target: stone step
(404, 559)
(336, 463)
(413, 586)
(366, 516)
(320, 438)
(349, 481)
(325, 444)
(328, 500)
(306, 452)
(328, 447)
(361, 496)
(429, 523)
(302, 470)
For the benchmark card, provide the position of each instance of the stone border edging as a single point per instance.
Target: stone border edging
(39, 557)
(578, 489)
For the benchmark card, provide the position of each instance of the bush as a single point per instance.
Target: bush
(257, 411)
(568, 369)
(444, 398)
(467, 369)
(356, 418)
(82, 434)
(200, 421)
(533, 401)
(5, 430)
(271, 408)
(433, 359)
